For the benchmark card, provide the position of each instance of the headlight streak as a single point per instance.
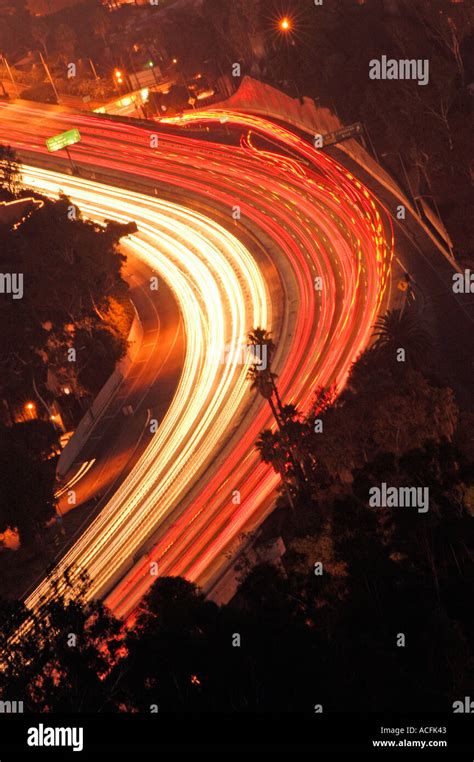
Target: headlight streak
(325, 224)
(211, 263)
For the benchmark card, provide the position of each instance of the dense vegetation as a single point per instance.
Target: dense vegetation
(74, 299)
(368, 609)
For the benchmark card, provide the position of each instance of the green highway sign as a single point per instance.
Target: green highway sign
(62, 140)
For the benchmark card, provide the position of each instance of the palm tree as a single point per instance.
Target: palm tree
(270, 447)
(402, 329)
(263, 383)
(296, 435)
(263, 380)
(259, 337)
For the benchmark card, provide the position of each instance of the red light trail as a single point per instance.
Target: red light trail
(302, 221)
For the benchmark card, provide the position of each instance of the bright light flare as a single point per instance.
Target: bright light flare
(285, 24)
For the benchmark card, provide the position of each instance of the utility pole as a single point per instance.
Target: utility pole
(94, 70)
(10, 74)
(48, 74)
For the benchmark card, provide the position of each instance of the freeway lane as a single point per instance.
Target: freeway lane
(117, 441)
(209, 393)
(150, 383)
(314, 222)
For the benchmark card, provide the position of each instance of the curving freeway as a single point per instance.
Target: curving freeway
(241, 231)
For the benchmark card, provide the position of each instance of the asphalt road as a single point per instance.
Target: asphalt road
(271, 225)
(120, 436)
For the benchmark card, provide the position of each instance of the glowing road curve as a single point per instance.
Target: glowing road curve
(307, 256)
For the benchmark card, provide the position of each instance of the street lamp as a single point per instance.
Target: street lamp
(285, 24)
(30, 409)
(119, 81)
